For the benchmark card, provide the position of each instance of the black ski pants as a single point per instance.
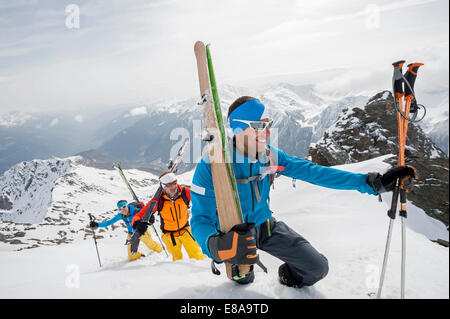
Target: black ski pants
(279, 240)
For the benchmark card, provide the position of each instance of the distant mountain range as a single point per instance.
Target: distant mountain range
(58, 193)
(142, 136)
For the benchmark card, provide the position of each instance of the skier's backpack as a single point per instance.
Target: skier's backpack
(137, 205)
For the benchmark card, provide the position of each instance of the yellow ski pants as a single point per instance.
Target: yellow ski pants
(148, 241)
(185, 240)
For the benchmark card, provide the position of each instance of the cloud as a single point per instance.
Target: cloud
(54, 122)
(357, 81)
(138, 51)
(137, 111)
(79, 118)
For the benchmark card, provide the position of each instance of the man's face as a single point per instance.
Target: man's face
(171, 188)
(124, 210)
(254, 141)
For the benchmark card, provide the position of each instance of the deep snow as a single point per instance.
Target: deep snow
(347, 227)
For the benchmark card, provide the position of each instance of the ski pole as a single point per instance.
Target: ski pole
(160, 241)
(398, 101)
(95, 239)
(411, 106)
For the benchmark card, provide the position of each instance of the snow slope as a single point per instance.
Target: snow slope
(347, 227)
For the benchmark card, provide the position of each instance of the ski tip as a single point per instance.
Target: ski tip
(199, 45)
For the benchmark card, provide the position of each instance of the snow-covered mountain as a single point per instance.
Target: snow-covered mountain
(435, 124)
(347, 227)
(363, 133)
(141, 136)
(28, 136)
(47, 202)
(300, 117)
(27, 187)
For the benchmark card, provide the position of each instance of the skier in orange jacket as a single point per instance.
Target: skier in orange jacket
(173, 207)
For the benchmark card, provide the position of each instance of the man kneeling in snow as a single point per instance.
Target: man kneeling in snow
(253, 163)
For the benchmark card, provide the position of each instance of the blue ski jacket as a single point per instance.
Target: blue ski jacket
(204, 220)
(127, 219)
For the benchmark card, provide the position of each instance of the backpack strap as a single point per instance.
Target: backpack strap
(271, 171)
(160, 203)
(186, 196)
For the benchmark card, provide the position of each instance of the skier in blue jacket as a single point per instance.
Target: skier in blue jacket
(126, 213)
(254, 164)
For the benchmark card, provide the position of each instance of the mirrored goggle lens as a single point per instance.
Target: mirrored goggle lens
(260, 125)
(170, 184)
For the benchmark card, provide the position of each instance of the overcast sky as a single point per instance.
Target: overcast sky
(129, 51)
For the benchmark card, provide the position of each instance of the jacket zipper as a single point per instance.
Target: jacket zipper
(171, 212)
(178, 223)
(251, 187)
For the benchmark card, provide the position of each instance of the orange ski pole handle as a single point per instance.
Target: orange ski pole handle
(410, 79)
(398, 79)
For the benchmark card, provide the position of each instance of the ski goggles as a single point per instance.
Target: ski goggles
(256, 125)
(169, 185)
(121, 205)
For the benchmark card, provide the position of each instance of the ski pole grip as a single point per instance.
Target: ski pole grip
(410, 77)
(398, 78)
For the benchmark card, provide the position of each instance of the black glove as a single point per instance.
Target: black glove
(152, 219)
(93, 224)
(238, 246)
(140, 226)
(386, 182)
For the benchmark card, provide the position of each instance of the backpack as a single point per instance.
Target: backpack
(184, 196)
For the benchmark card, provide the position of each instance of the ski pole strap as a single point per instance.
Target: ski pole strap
(403, 86)
(214, 269)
